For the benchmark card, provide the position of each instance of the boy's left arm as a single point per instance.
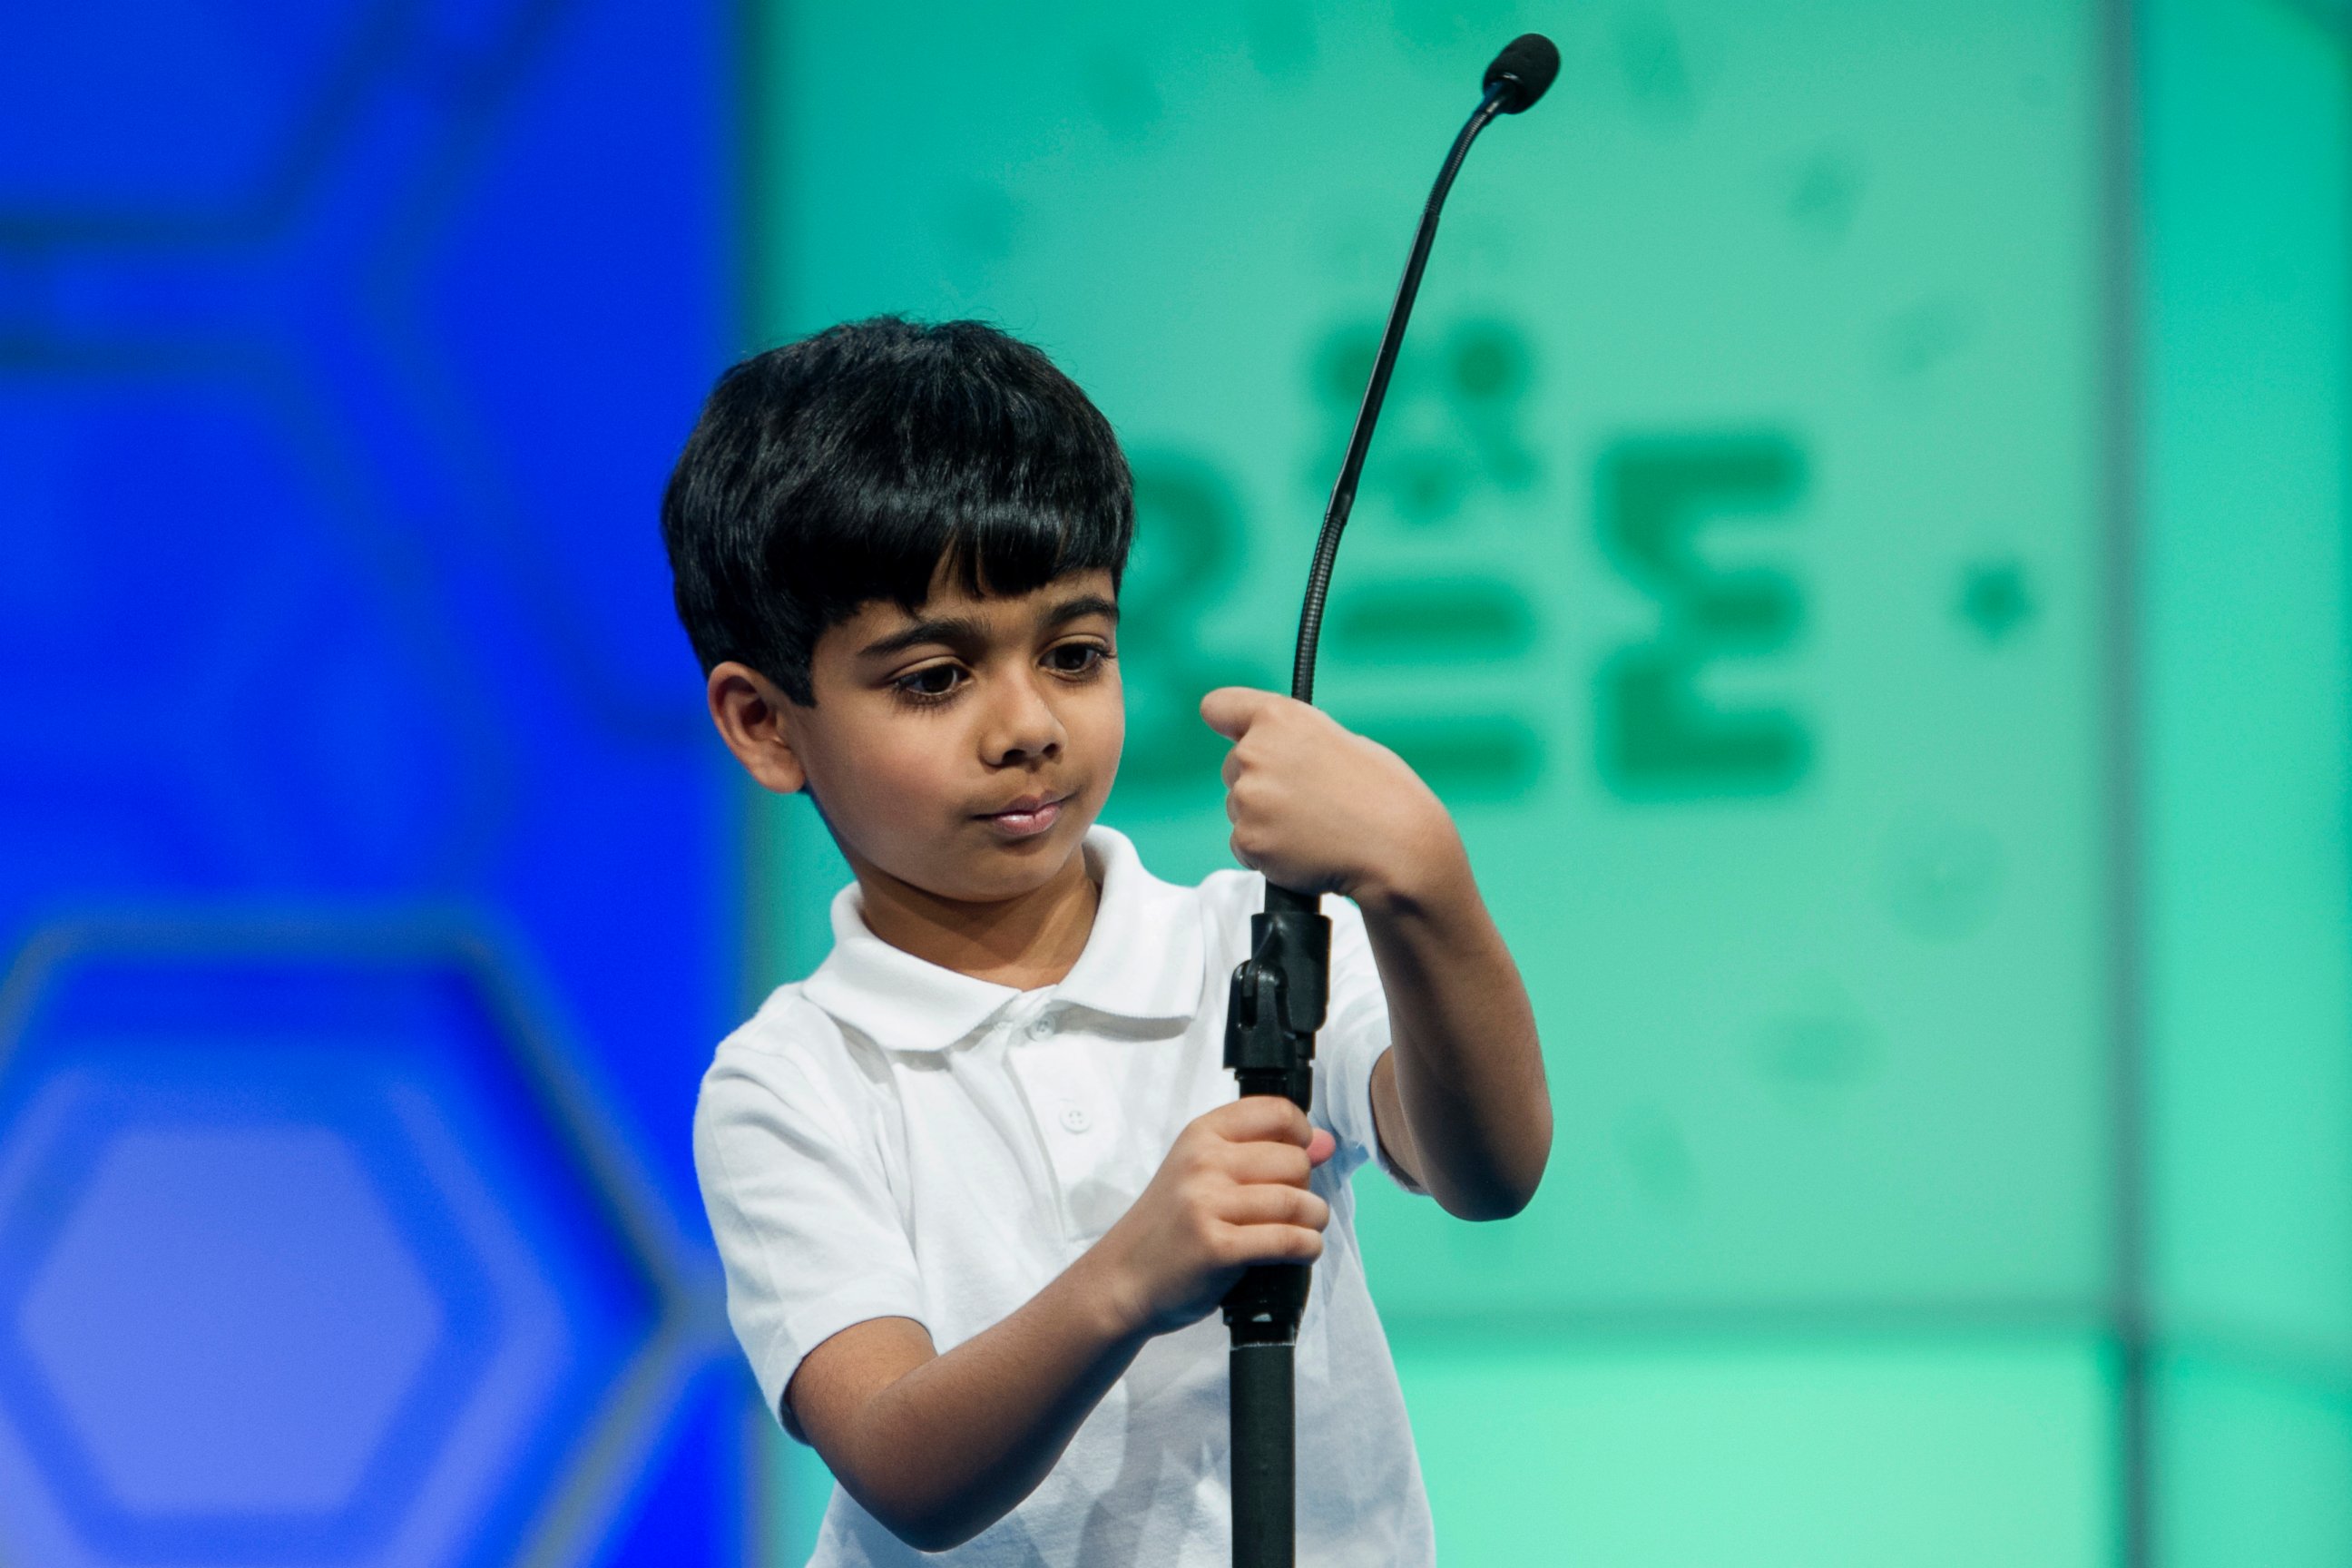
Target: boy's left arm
(1459, 1100)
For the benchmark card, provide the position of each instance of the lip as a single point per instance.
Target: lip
(1026, 817)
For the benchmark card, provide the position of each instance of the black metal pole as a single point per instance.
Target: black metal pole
(1266, 1485)
(1278, 995)
(1275, 1005)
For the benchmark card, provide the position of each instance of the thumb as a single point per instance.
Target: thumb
(1319, 1147)
(1231, 710)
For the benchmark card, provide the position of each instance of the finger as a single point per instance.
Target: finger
(1231, 772)
(1268, 1162)
(1261, 1119)
(1231, 710)
(1276, 1244)
(1276, 1206)
(1321, 1147)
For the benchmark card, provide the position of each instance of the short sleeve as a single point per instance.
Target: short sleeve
(1355, 1036)
(800, 1205)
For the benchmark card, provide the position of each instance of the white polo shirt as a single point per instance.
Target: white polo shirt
(892, 1139)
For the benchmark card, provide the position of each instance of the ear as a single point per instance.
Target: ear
(751, 714)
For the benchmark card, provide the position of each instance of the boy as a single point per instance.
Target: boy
(980, 1180)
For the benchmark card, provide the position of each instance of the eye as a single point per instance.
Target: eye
(1075, 657)
(932, 683)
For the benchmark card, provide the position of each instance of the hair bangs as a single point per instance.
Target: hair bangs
(999, 487)
(874, 461)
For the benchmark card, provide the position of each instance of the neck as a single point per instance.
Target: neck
(1024, 942)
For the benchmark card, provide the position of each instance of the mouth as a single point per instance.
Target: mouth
(1026, 817)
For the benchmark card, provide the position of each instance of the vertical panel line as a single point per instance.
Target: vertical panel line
(2129, 1312)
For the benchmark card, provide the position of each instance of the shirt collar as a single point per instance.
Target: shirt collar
(1142, 961)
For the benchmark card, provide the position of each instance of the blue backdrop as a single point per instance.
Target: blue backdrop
(368, 889)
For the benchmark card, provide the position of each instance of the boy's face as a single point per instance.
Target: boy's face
(963, 749)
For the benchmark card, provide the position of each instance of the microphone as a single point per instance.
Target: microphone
(1519, 76)
(1279, 994)
(1525, 70)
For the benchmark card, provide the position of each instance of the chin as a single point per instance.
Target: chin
(1009, 870)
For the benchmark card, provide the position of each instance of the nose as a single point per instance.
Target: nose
(1022, 726)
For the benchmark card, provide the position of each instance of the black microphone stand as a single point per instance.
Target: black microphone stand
(1280, 991)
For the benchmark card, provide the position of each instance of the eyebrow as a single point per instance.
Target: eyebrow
(963, 631)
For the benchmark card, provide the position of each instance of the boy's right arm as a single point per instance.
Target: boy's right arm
(938, 1448)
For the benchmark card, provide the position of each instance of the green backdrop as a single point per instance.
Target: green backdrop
(2243, 409)
(1856, 539)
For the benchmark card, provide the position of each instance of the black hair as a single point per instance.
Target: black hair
(847, 467)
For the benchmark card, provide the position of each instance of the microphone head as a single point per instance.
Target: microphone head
(1525, 70)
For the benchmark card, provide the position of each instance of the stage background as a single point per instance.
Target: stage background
(1858, 538)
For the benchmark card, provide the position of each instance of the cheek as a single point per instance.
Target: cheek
(908, 769)
(1100, 724)
(888, 773)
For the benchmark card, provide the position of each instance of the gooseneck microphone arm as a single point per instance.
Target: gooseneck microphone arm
(1376, 392)
(1278, 994)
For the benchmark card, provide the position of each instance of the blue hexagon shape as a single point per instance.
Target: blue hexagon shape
(311, 1250)
(241, 1330)
(183, 1294)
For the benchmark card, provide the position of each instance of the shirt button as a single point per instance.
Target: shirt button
(1041, 1029)
(1076, 1120)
